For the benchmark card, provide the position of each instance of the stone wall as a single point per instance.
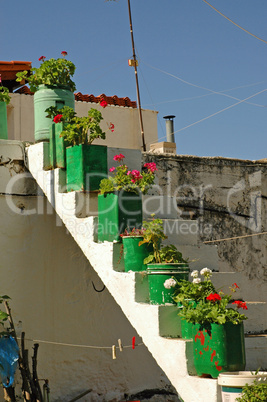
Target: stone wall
(228, 198)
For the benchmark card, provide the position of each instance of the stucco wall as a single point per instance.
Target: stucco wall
(227, 198)
(125, 119)
(50, 283)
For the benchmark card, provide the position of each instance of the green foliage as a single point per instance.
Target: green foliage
(3, 315)
(67, 113)
(4, 95)
(194, 291)
(256, 392)
(124, 179)
(51, 72)
(167, 255)
(78, 130)
(154, 234)
(207, 312)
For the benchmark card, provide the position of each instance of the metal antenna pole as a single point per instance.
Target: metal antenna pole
(136, 78)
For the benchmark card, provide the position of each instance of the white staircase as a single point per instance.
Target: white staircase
(155, 324)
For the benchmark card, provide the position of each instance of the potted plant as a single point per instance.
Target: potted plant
(163, 263)
(57, 145)
(86, 164)
(190, 293)
(119, 201)
(218, 332)
(243, 386)
(4, 101)
(134, 253)
(53, 86)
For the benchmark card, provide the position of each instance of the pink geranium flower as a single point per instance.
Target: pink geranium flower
(151, 166)
(112, 169)
(118, 158)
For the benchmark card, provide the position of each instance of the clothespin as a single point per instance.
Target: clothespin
(133, 342)
(120, 345)
(113, 352)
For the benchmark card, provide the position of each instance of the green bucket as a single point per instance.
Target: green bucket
(86, 166)
(158, 274)
(44, 97)
(218, 348)
(116, 212)
(134, 254)
(3, 121)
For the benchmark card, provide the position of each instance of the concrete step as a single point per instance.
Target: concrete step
(170, 354)
(256, 352)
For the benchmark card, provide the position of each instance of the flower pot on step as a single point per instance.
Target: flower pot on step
(86, 166)
(57, 146)
(232, 383)
(218, 348)
(116, 212)
(158, 274)
(134, 254)
(3, 121)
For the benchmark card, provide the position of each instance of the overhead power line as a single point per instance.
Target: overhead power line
(243, 29)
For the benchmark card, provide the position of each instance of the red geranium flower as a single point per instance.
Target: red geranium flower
(235, 286)
(111, 127)
(240, 304)
(119, 157)
(64, 53)
(103, 103)
(57, 118)
(214, 297)
(42, 58)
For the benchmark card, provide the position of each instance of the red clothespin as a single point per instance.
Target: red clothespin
(133, 342)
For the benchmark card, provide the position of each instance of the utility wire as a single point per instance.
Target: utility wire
(220, 111)
(243, 29)
(234, 238)
(209, 94)
(199, 86)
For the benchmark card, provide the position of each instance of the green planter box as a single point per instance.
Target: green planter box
(218, 349)
(116, 212)
(3, 121)
(44, 97)
(186, 327)
(158, 274)
(86, 167)
(57, 146)
(134, 254)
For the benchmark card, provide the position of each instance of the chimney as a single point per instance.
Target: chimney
(169, 128)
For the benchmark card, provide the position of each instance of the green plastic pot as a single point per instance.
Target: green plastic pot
(158, 274)
(44, 97)
(116, 212)
(218, 348)
(86, 166)
(3, 121)
(186, 327)
(134, 254)
(57, 146)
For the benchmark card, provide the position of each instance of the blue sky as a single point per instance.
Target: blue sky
(186, 52)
